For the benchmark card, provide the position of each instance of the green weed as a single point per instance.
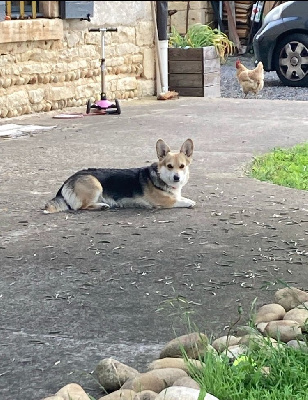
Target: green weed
(284, 378)
(284, 167)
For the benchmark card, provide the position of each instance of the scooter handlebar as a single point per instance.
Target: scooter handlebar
(103, 29)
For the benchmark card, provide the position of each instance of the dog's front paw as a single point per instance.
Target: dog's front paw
(184, 202)
(105, 206)
(190, 203)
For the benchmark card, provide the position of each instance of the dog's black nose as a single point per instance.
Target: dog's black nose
(176, 178)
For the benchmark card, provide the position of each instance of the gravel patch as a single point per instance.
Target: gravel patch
(273, 88)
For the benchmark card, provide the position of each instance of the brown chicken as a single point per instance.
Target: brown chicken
(251, 80)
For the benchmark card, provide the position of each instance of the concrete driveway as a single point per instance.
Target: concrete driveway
(79, 287)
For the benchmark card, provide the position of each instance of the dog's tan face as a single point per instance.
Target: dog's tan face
(173, 168)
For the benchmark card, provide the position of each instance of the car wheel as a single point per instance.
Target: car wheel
(291, 60)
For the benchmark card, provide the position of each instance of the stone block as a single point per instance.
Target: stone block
(6, 82)
(209, 52)
(40, 55)
(83, 64)
(178, 5)
(198, 5)
(212, 78)
(111, 51)
(15, 70)
(57, 93)
(36, 95)
(124, 35)
(36, 68)
(29, 30)
(127, 83)
(111, 84)
(87, 52)
(92, 38)
(145, 88)
(126, 48)
(116, 61)
(86, 90)
(178, 21)
(17, 99)
(6, 71)
(73, 66)
(60, 67)
(5, 59)
(149, 63)
(211, 65)
(72, 39)
(144, 33)
(196, 17)
(137, 58)
(212, 91)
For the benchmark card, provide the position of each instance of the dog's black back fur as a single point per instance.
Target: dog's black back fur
(119, 183)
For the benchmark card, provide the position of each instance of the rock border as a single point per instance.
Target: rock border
(284, 322)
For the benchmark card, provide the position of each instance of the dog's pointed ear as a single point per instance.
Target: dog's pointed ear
(162, 149)
(187, 148)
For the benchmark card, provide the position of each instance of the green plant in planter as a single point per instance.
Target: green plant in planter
(199, 35)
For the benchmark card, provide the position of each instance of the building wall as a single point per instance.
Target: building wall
(187, 13)
(50, 64)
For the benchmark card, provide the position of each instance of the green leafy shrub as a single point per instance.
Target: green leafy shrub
(199, 35)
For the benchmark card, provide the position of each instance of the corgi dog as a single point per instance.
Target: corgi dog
(156, 186)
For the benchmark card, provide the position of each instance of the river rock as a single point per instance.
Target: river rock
(111, 373)
(193, 344)
(182, 393)
(72, 391)
(187, 381)
(298, 345)
(53, 398)
(220, 344)
(283, 330)
(169, 362)
(146, 395)
(290, 297)
(270, 312)
(299, 315)
(235, 351)
(146, 381)
(121, 394)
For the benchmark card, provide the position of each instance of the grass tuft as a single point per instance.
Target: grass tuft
(284, 167)
(286, 379)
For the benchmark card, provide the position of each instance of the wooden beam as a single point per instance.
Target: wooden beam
(232, 24)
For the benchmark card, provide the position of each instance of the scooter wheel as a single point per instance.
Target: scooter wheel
(118, 106)
(88, 106)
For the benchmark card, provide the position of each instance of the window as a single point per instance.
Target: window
(46, 9)
(22, 9)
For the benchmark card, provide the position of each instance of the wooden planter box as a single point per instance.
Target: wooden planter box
(194, 72)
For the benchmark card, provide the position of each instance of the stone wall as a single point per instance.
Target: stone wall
(50, 64)
(187, 13)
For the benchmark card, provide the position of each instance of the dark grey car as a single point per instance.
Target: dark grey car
(282, 43)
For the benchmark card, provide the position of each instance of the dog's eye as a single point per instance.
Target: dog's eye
(170, 166)
(182, 166)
